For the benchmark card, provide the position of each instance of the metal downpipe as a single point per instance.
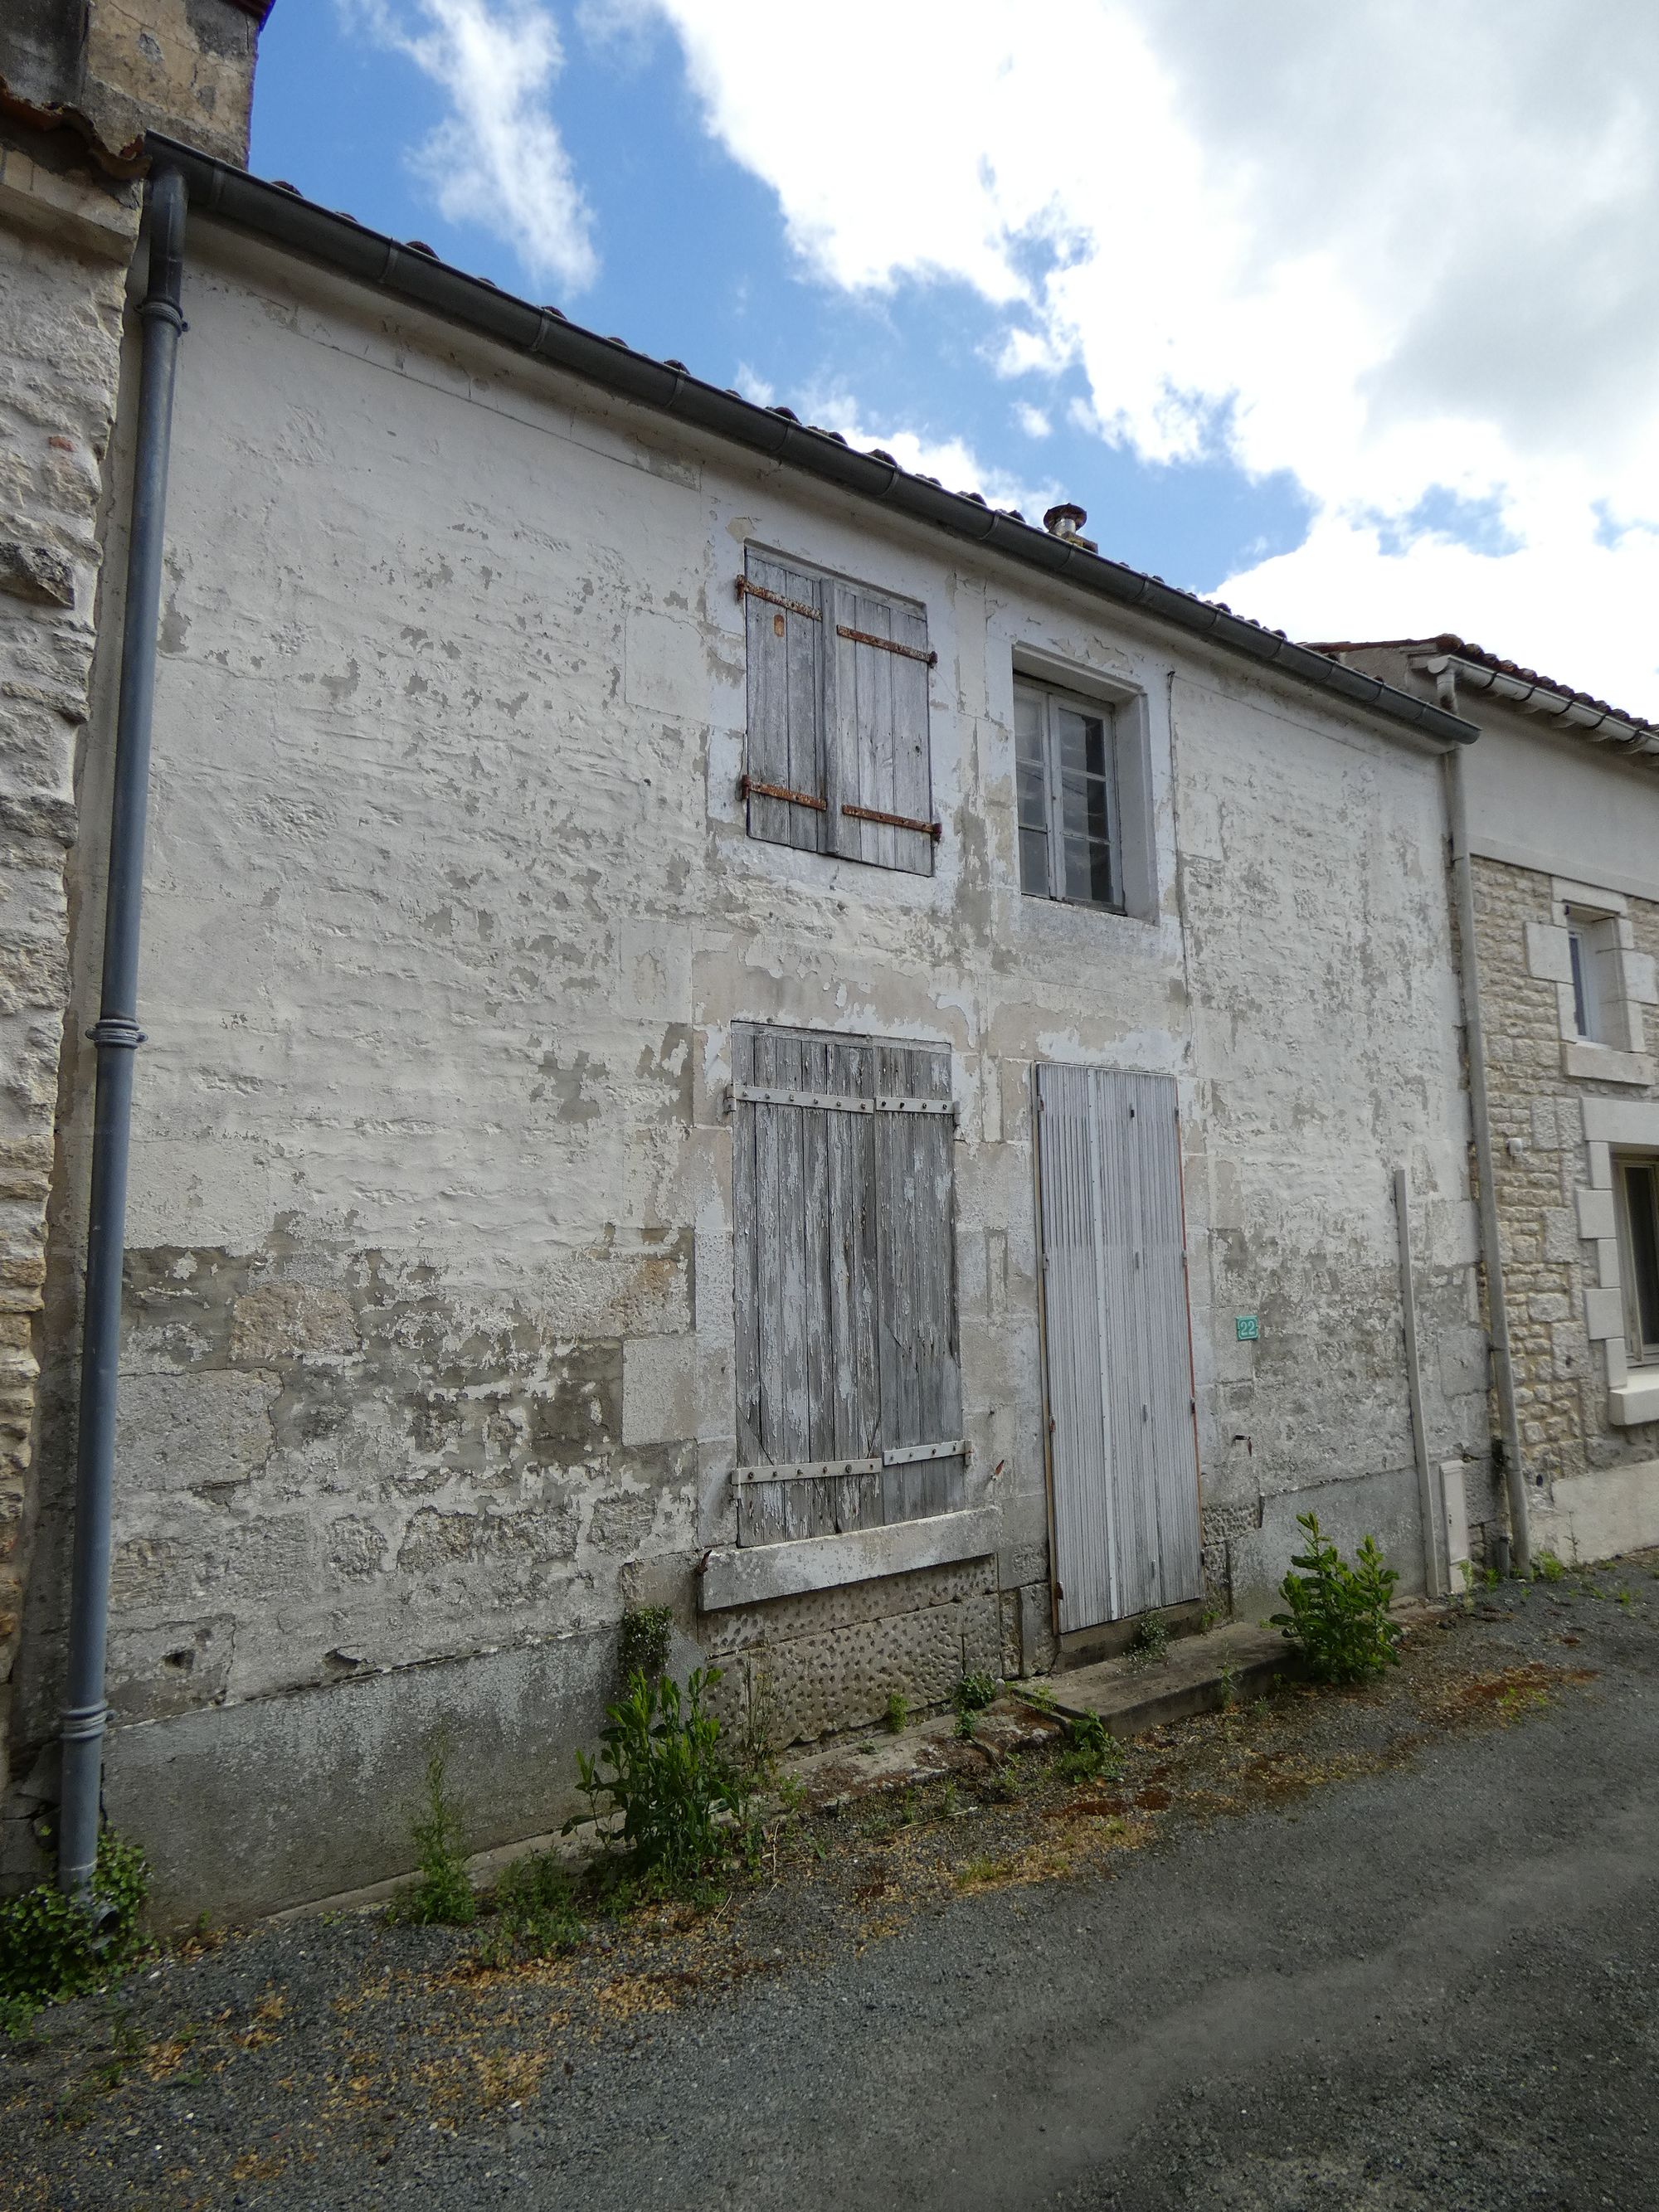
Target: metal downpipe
(1491, 1249)
(116, 1036)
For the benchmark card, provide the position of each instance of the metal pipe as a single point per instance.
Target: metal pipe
(116, 1036)
(1434, 1584)
(1491, 1249)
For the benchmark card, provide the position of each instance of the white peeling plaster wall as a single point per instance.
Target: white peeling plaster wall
(1327, 1019)
(449, 911)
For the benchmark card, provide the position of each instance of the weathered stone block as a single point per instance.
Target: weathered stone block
(279, 1323)
(206, 1431)
(35, 573)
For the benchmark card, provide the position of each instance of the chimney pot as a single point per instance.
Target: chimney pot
(1066, 521)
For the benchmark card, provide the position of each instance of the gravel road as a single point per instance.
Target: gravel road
(1387, 1948)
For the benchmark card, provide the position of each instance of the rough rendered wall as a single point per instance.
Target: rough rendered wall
(1542, 1162)
(449, 912)
(1325, 1018)
(64, 244)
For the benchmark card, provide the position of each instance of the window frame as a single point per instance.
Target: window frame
(1053, 700)
(1592, 946)
(1641, 1349)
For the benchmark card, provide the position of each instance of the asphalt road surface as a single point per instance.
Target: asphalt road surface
(1431, 1986)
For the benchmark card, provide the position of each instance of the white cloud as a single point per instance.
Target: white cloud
(1391, 251)
(753, 386)
(950, 461)
(1031, 421)
(496, 159)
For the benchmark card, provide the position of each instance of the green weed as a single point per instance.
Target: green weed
(644, 1638)
(535, 1915)
(663, 1787)
(898, 1712)
(1093, 1753)
(53, 1947)
(1151, 1645)
(1545, 1567)
(1338, 1615)
(441, 1894)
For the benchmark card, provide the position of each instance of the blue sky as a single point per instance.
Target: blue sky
(1236, 327)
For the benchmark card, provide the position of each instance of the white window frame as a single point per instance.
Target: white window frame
(1641, 1351)
(1052, 700)
(1617, 1130)
(1587, 949)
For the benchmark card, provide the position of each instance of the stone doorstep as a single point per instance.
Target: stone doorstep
(1197, 1674)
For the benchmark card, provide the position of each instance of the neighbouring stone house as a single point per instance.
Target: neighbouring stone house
(1563, 808)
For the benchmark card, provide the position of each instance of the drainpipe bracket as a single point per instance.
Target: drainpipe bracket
(83, 1724)
(117, 1029)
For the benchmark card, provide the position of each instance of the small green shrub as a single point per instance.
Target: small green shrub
(898, 1712)
(442, 1895)
(662, 1786)
(1338, 1615)
(644, 1641)
(975, 1692)
(1151, 1645)
(535, 1912)
(1093, 1753)
(53, 1947)
(1546, 1567)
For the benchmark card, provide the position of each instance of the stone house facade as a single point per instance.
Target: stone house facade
(1563, 835)
(666, 941)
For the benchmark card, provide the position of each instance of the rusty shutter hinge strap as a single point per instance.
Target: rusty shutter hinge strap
(745, 589)
(886, 644)
(934, 830)
(751, 786)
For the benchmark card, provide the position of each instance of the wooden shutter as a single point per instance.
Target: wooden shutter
(876, 713)
(1117, 1348)
(784, 631)
(847, 1371)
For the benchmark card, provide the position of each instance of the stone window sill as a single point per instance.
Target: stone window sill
(749, 1574)
(1635, 1401)
(1600, 1063)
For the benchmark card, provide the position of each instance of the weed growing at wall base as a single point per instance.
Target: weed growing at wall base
(1093, 1753)
(443, 1893)
(644, 1640)
(662, 1786)
(1338, 1615)
(52, 1946)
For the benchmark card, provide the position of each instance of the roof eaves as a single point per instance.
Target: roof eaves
(1590, 717)
(284, 217)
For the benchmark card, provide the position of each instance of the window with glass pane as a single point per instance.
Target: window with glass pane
(1066, 767)
(1640, 1226)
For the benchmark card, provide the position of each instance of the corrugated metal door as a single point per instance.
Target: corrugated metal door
(1118, 1352)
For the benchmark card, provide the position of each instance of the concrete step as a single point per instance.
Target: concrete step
(1196, 1674)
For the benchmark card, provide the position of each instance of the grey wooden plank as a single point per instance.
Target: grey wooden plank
(746, 1361)
(912, 778)
(876, 670)
(816, 1056)
(809, 831)
(767, 1506)
(767, 656)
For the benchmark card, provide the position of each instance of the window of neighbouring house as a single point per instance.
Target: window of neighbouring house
(1639, 1238)
(1066, 767)
(850, 1387)
(838, 756)
(1592, 946)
